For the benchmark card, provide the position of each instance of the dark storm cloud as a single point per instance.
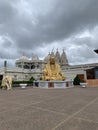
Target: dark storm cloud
(27, 32)
(68, 18)
(6, 11)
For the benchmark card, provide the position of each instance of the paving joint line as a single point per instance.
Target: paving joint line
(16, 108)
(62, 122)
(29, 104)
(51, 111)
(85, 119)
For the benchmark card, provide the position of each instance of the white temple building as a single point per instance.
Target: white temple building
(26, 68)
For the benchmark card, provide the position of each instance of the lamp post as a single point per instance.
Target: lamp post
(5, 67)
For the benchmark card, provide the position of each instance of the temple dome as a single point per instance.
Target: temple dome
(23, 58)
(35, 58)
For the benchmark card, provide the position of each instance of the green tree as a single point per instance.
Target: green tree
(32, 79)
(76, 80)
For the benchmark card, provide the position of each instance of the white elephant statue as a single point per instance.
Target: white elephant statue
(7, 82)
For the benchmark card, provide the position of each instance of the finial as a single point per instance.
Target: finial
(63, 50)
(57, 49)
(49, 52)
(52, 49)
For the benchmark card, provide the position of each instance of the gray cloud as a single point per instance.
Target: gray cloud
(28, 30)
(6, 11)
(68, 18)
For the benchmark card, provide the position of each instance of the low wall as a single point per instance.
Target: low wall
(53, 84)
(92, 82)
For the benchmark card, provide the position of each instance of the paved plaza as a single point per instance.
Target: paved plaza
(49, 109)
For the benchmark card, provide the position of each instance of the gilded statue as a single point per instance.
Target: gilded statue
(52, 71)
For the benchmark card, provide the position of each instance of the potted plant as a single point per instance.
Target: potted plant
(23, 84)
(83, 83)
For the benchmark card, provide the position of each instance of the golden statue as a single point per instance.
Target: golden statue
(52, 71)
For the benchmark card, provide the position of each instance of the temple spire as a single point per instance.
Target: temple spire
(52, 52)
(64, 59)
(57, 56)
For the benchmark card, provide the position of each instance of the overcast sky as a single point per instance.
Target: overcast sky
(35, 27)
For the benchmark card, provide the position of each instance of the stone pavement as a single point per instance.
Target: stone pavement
(49, 109)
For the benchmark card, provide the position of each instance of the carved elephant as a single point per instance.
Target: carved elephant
(7, 82)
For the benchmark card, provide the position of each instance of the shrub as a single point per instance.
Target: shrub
(16, 83)
(32, 79)
(76, 80)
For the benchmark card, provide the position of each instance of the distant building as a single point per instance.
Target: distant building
(29, 64)
(26, 68)
(60, 59)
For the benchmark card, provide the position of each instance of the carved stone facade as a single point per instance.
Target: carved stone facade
(26, 68)
(60, 59)
(29, 64)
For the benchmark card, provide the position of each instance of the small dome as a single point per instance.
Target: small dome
(35, 58)
(22, 58)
